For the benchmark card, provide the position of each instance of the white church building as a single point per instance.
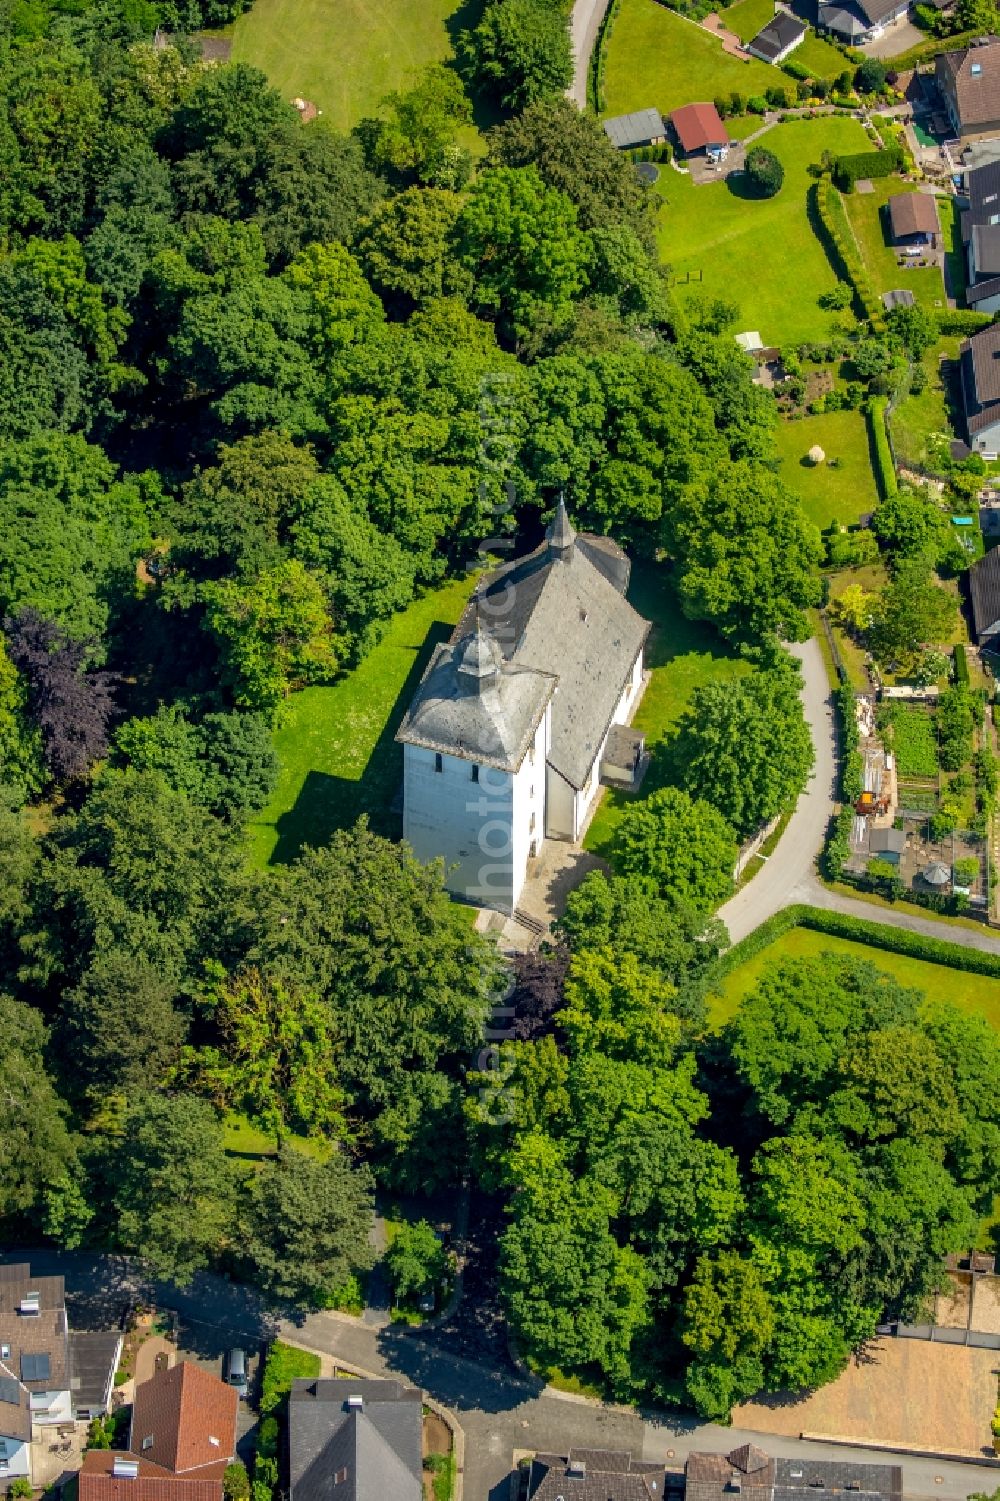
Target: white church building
(518, 718)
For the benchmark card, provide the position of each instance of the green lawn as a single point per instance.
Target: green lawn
(761, 253)
(336, 748)
(917, 417)
(248, 1143)
(656, 58)
(747, 17)
(978, 993)
(344, 55)
(840, 494)
(867, 217)
(681, 655)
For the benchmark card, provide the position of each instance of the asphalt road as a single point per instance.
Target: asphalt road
(789, 876)
(499, 1410)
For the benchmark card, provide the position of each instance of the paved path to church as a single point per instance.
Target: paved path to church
(790, 873)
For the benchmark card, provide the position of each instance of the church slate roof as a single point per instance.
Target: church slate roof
(474, 705)
(562, 610)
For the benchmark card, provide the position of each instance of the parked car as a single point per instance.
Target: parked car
(234, 1370)
(426, 1304)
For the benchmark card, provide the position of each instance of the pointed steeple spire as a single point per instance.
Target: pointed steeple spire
(560, 534)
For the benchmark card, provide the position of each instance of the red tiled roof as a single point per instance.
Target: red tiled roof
(698, 125)
(190, 1417)
(153, 1483)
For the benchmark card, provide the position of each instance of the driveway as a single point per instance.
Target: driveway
(789, 876)
(791, 867)
(584, 26)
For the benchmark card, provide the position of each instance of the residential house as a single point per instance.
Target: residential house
(182, 1436)
(860, 21)
(979, 364)
(913, 219)
(969, 83)
(981, 237)
(753, 1475)
(595, 1475)
(360, 1440)
(644, 127)
(504, 739)
(48, 1376)
(700, 131)
(984, 593)
(780, 37)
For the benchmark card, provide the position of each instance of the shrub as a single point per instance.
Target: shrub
(961, 321)
(961, 665)
(966, 870)
(20, 1486)
(847, 169)
(236, 1481)
(764, 171)
(885, 468)
(756, 105)
(284, 1364)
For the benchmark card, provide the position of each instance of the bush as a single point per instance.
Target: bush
(966, 870)
(961, 665)
(284, 1364)
(847, 169)
(756, 105)
(416, 1261)
(961, 321)
(885, 468)
(235, 1480)
(20, 1486)
(764, 171)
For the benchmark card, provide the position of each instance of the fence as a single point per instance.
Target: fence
(750, 849)
(941, 1335)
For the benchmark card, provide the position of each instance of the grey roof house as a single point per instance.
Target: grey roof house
(981, 238)
(858, 21)
(887, 844)
(644, 127)
(984, 592)
(979, 362)
(753, 1475)
(595, 1475)
(355, 1440)
(778, 38)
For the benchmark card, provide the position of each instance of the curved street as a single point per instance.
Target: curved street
(584, 26)
(789, 876)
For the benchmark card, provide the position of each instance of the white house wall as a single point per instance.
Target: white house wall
(987, 442)
(51, 1407)
(15, 1459)
(483, 830)
(559, 806)
(623, 709)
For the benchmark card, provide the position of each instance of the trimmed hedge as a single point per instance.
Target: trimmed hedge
(885, 468)
(924, 51)
(796, 70)
(595, 81)
(847, 169)
(958, 320)
(961, 665)
(827, 208)
(861, 930)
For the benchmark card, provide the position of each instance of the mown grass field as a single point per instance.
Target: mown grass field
(762, 254)
(868, 219)
(841, 494)
(657, 58)
(974, 993)
(344, 55)
(336, 748)
(917, 417)
(681, 655)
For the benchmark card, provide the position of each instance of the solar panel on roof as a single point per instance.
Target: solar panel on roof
(35, 1367)
(10, 1391)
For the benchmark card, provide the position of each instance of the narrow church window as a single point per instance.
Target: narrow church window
(475, 773)
(438, 762)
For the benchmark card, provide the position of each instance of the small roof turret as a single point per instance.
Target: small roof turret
(560, 534)
(477, 660)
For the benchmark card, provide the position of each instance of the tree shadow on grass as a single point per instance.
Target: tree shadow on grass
(327, 802)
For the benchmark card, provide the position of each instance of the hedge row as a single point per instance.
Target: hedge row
(596, 80)
(885, 468)
(851, 767)
(828, 208)
(961, 665)
(961, 321)
(860, 930)
(924, 51)
(848, 169)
